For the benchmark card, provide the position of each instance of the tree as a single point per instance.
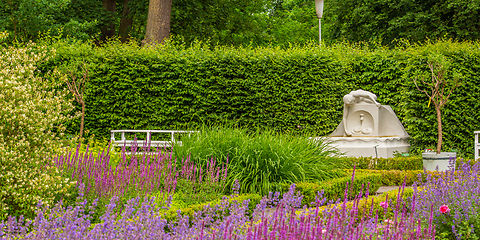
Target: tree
(125, 22)
(25, 19)
(158, 21)
(77, 88)
(108, 28)
(388, 20)
(438, 90)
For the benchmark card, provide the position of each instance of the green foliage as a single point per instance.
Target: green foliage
(223, 22)
(389, 20)
(395, 177)
(291, 22)
(260, 159)
(369, 206)
(247, 23)
(397, 163)
(33, 110)
(463, 229)
(334, 189)
(172, 213)
(292, 90)
(188, 194)
(26, 19)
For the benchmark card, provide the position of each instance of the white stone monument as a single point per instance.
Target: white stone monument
(368, 129)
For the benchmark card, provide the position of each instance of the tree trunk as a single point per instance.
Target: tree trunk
(125, 22)
(158, 21)
(108, 29)
(82, 121)
(439, 122)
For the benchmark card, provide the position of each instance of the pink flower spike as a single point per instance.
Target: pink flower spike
(444, 209)
(384, 204)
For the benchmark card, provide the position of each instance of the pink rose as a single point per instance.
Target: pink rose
(388, 222)
(384, 204)
(444, 209)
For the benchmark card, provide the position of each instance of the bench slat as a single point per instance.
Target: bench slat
(141, 143)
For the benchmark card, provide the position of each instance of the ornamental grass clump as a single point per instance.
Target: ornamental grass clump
(260, 160)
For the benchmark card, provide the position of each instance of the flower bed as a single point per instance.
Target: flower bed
(446, 205)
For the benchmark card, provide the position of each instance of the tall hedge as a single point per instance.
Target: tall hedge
(297, 89)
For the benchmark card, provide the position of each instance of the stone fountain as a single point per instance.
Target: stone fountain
(368, 129)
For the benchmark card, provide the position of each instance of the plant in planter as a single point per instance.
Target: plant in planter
(438, 90)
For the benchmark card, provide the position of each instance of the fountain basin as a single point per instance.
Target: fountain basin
(378, 147)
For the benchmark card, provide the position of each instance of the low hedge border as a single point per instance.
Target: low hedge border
(334, 189)
(189, 211)
(368, 206)
(397, 163)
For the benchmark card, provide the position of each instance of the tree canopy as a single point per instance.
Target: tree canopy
(245, 22)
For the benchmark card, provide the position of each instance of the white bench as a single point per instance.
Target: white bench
(141, 143)
(477, 144)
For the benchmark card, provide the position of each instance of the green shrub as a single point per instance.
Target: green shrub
(395, 177)
(396, 163)
(371, 205)
(30, 126)
(288, 90)
(409, 163)
(334, 189)
(258, 160)
(187, 195)
(253, 199)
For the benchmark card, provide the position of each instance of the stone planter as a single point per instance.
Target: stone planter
(432, 160)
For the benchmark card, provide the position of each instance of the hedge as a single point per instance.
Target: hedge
(289, 90)
(371, 205)
(396, 163)
(334, 189)
(253, 200)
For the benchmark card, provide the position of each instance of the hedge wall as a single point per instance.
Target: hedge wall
(297, 89)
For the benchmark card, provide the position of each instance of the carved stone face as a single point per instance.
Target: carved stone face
(349, 99)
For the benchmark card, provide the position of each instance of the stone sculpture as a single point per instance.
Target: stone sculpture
(368, 128)
(358, 97)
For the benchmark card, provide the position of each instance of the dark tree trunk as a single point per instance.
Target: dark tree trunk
(158, 21)
(125, 22)
(108, 29)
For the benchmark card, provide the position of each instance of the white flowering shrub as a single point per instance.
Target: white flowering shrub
(3, 36)
(31, 112)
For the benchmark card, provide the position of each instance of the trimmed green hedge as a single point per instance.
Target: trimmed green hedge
(335, 189)
(396, 163)
(253, 199)
(292, 90)
(371, 205)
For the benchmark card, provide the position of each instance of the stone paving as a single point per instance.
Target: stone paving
(384, 189)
